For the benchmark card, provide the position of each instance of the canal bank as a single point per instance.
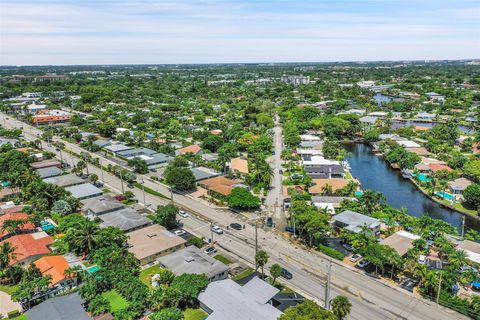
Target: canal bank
(374, 173)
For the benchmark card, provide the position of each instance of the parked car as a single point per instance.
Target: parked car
(356, 257)
(363, 263)
(422, 259)
(348, 247)
(286, 274)
(210, 250)
(289, 229)
(466, 268)
(280, 171)
(179, 232)
(236, 226)
(183, 214)
(217, 229)
(269, 222)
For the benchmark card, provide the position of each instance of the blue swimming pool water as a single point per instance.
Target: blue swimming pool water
(422, 177)
(45, 225)
(445, 195)
(358, 193)
(93, 269)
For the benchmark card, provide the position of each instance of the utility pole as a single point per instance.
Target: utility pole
(294, 233)
(463, 226)
(439, 286)
(211, 233)
(256, 238)
(171, 194)
(101, 170)
(327, 286)
(121, 181)
(143, 190)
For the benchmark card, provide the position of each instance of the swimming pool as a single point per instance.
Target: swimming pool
(422, 177)
(358, 193)
(45, 225)
(445, 195)
(93, 269)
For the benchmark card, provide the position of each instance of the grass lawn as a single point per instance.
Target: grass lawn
(21, 317)
(194, 314)
(146, 274)
(243, 274)
(223, 259)
(8, 289)
(348, 175)
(117, 302)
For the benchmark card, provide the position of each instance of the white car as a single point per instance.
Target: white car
(355, 257)
(179, 232)
(182, 213)
(422, 259)
(217, 229)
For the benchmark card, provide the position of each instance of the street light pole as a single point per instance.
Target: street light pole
(439, 286)
(211, 233)
(171, 193)
(143, 190)
(101, 170)
(327, 286)
(121, 181)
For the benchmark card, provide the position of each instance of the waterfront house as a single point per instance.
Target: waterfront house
(354, 221)
(309, 137)
(312, 161)
(326, 171)
(226, 299)
(472, 250)
(434, 167)
(459, 185)
(333, 200)
(193, 260)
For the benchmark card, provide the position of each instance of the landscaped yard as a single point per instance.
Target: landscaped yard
(223, 259)
(8, 289)
(194, 314)
(146, 274)
(243, 274)
(117, 302)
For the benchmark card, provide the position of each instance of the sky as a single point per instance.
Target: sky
(60, 32)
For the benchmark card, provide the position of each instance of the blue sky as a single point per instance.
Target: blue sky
(39, 32)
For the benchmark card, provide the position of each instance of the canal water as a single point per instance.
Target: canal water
(374, 173)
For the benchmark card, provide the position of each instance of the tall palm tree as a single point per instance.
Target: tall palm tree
(7, 254)
(327, 190)
(84, 236)
(341, 307)
(458, 258)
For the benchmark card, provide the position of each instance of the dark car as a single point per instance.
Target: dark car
(289, 229)
(286, 274)
(236, 226)
(269, 222)
(210, 250)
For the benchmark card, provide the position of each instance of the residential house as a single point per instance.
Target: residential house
(219, 185)
(46, 164)
(226, 299)
(126, 219)
(425, 116)
(239, 165)
(193, 149)
(316, 160)
(29, 247)
(26, 227)
(13, 142)
(64, 181)
(326, 171)
(354, 221)
(210, 157)
(57, 268)
(459, 185)
(400, 241)
(84, 191)
(433, 96)
(35, 108)
(368, 120)
(149, 243)
(320, 185)
(94, 207)
(202, 173)
(116, 148)
(49, 172)
(193, 260)
(69, 307)
(472, 249)
(9, 193)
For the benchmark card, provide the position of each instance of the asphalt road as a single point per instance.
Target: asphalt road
(371, 299)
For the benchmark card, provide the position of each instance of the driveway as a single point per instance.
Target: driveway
(7, 305)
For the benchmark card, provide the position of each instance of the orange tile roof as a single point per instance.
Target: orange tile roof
(318, 184)
(220, 185)
(437, 167)
(239, 164)
(15, 216)
(194, 148)
(54, 266)
(28, 245)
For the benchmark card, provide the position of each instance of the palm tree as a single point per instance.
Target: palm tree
(341, 307)
(7, 254)
(327, 190)
(84, 236)
(275, 272)
(261, 259)
(458, 258)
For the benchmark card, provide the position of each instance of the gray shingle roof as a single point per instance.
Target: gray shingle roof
(193, 260)
(355, 220)
(100, 205)
(202, 173)
(59, 308)
(49, 172)
(228, 300)
(125, 219)
(65, 180)
(84, 191)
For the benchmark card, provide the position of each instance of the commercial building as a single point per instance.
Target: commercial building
(194, 260)
(51, 117)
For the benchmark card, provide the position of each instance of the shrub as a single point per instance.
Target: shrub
(331, 252)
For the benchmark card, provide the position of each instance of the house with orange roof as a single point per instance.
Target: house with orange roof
(56, 267)
(239, 165)
(434, 167)
(24, 225)
(29, 247)
(193, 149)
(219, 186)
